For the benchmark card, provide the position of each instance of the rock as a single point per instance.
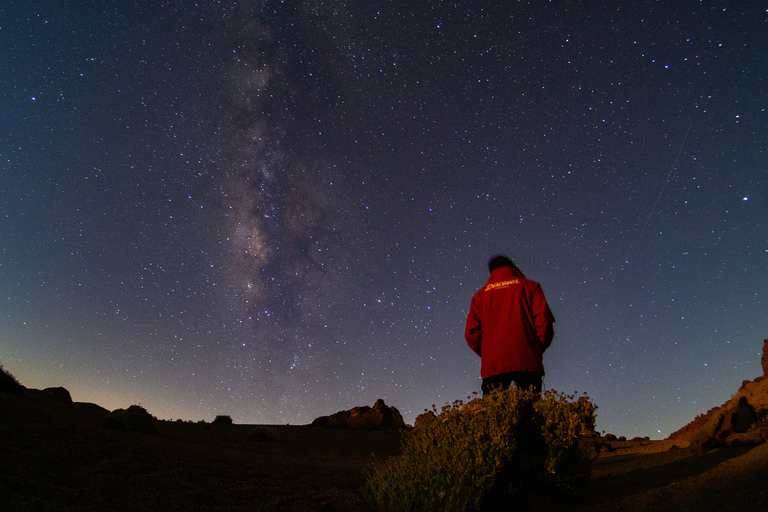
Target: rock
(764, 359)
(739, 419)
(378, 417)
(58, 394)
(756, 393)
(360, 419)
(752, 438)
(320, 421)
(738, 422)
(391, 419)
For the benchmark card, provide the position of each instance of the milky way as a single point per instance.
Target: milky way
(278, 210)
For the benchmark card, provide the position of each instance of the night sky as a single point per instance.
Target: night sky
(278, 210)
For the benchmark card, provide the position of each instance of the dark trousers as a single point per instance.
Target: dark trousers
(523, 380)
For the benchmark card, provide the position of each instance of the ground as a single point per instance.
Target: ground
(58, 456)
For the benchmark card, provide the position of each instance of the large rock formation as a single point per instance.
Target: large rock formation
(378, 417)
(741, 421)
(58, 394)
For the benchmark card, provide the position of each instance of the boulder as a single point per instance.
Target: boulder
(58, 394)
(739, 419)
(360, 418)
(751, 438)
(378, 417)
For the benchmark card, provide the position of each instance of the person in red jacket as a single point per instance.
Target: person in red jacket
(509, 326)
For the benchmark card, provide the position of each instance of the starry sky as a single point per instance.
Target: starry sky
(277, 210)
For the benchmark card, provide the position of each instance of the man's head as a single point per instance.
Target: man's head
(500, 261)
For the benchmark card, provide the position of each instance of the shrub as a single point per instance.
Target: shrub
(223, 420)
(135, 418)
(9, 384)
(486, 451)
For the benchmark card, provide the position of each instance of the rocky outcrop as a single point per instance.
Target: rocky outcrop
(58, 394)
(764, 359)
(378, 417)
(741, 421)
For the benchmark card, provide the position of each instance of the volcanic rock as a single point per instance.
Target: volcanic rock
(378, 417)
(752, 438)
(58, 394)
(764, 359)
(741, 421)
(740, 418)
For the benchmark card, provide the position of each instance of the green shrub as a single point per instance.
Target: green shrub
(9, 384)
(486, 451)
(134, 418)
(223, 420)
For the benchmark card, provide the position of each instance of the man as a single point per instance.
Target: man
(509, 326)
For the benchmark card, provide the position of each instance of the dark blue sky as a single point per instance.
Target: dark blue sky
(278, 210)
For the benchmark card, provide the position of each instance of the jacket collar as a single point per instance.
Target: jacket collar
(504, 274)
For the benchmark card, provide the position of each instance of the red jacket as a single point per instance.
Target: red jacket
(509, 324)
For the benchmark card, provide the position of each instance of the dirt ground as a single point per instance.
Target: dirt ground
(58, 457)
(658, 476)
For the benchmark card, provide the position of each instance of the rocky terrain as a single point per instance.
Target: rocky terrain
(378, 417)
(56, 454)
(741, 421)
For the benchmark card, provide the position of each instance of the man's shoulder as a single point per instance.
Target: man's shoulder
(532, 282)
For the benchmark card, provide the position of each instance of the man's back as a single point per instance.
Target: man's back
(509, 324)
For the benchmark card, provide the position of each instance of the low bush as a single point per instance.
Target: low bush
(484, 453)
(223, 420)
(135, 418)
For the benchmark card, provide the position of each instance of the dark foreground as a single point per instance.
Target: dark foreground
(57, 456)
